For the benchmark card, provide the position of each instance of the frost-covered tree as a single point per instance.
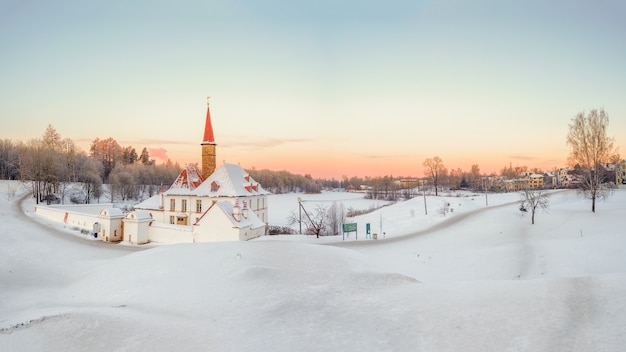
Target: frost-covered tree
(9, 160)
(445, 208)
(122, 183)
(89, 171)
(337, 217)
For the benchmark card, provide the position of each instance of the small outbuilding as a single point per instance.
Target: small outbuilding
(136, 227)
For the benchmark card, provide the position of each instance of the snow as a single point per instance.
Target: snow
(232, 181)
(482, 278)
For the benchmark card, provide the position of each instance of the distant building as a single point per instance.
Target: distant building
(620, 174)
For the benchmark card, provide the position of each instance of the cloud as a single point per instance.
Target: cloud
(158, 153)
(386, 156)
(264, 143)
(160, 142)
(522, 157)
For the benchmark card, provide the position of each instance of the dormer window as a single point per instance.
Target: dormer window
(214, 186)
(247, 177)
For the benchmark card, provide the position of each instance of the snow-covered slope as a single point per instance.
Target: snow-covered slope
(487, 281)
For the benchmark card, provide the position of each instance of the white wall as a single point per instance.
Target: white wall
(214, 227)
(166, 233)
(73, 217)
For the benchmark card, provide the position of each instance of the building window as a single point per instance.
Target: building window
(172, 219)
(214, 186)
(183, 205)
(172, 204)
(198, 206)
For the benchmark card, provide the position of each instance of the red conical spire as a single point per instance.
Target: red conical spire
(208, 128)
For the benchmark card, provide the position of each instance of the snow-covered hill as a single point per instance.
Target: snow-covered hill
(482, 279)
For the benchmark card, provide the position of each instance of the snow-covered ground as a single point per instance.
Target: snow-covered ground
(482, 278)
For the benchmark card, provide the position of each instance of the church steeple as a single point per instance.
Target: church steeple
(208, 146)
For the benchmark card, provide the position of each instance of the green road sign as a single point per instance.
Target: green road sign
(349, 227)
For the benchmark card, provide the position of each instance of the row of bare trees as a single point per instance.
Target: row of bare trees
(54, 166)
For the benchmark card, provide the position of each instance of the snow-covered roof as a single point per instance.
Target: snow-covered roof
(140, 215)
(229, 180)
(187, 181)
(251, 220)
(112, 212)
(151, 203)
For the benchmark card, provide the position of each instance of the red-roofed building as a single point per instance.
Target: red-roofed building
(199, 203)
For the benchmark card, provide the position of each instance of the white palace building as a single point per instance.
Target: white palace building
(219, 204)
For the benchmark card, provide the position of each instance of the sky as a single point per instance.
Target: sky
(327, 88)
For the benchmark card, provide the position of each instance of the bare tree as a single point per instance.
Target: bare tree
(535, 198)
(37, 165)
(475, 178)
(316, 221)
(435, 171)
(590, 147)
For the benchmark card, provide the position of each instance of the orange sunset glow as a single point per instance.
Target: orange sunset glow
(327, 91)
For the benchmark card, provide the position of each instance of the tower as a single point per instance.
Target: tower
(208, 145)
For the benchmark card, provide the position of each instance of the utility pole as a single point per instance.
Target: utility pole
(307, 215)
(300, 213)
(424, 193)
(485, 189)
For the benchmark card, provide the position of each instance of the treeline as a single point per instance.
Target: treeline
(436, 177)
(54, 166)
(285, 181)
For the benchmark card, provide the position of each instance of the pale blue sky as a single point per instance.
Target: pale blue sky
(355, 88)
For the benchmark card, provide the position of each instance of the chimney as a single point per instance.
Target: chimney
(244, 211)
(236, 212)
(161, 197)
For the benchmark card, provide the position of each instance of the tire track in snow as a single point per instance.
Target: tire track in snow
(580, 310)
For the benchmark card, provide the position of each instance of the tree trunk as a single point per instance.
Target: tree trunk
(593, 204)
